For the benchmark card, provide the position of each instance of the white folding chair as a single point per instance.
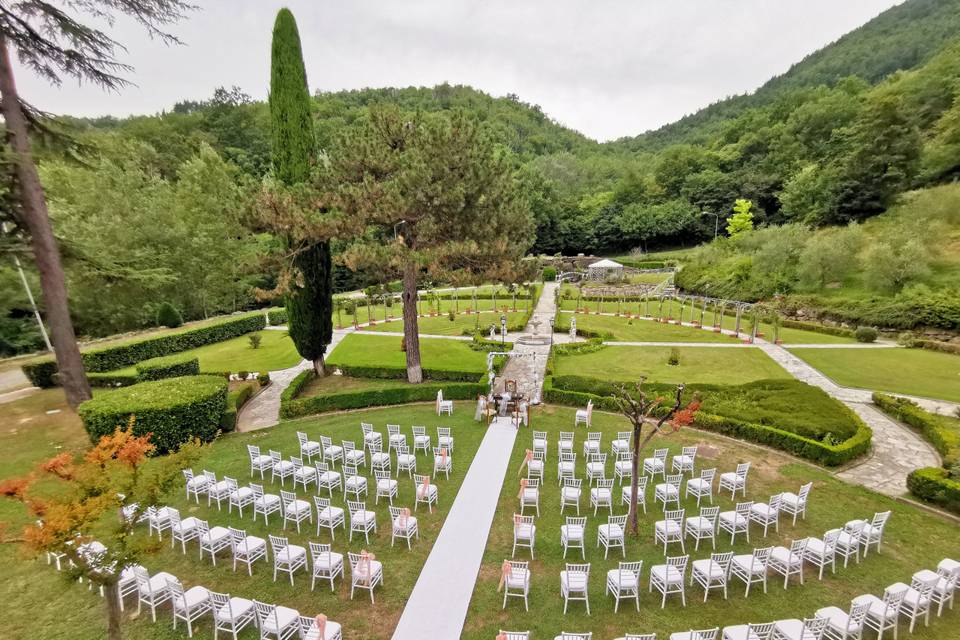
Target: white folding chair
(370, 437)
(844, 625)
(789, 562)
(735, 481)
(584, 416)
(882, 614)
(670, 529)
(573, 534)
(406, 461)
(917, 599)
(737, 521)
(703, 527)
(701, 487)
(871, 533)
(328, 516)
(570, 494)
(668, 492)
(264, 503)
(404, 525)
(445, 439)
(212, 539)
(657, 465)
(624, 583)
(540, 442)
(310, 631)
(621, 444)
(259, 463)
(612, 534)
(328, 479)
(794, 629)
(394, 437)
(240, 497)
(387, 487)
(444, 406)
(627, 492)
(946, 587)
(331, 452)
(158, 521)
(218, 491)
(361, 520)
(189, 605)
(596, 467)
(566, 466)
(515, 581)
(565, 442)
(295, 510)
(379, 459)
(247, 549)
(821, 553)
(287, 558)
(303, 475)
(275, 622)
(712, 573)
(669, 578)
(602, 495)
(366, 572)
(231, 614)
(327, 564)
(575, 584)
(152, 591)
(684, 462)
(182, 531)
(421, 441)
(795, 504)
(354, 485)
(591, 445)
(751, 568)
(308, 447)
(442, 461)
(353, 457)
(536, 464)
(281, 468)
(196, 485)
(425, 491)
(623, 467)
(524, 533)
(766, 514)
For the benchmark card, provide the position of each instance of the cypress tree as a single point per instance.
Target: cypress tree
(310, 299)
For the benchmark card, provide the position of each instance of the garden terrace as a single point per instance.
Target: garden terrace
(637, 329)
(914, 539)
(380, 356)
(705, 365)
(918, 372)
(462, 324)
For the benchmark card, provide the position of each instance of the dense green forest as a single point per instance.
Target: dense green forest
(155, 209)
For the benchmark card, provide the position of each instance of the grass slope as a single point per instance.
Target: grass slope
(697, 364)
(384, 351)
(443, 326)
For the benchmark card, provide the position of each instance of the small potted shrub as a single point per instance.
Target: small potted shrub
(255, 339)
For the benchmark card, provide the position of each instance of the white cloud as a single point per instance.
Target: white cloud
(608, 68)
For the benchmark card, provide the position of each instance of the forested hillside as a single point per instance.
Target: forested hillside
(155, 209)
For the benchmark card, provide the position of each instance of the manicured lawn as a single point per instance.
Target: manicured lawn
(638, 330)
(365, 313)
(276, 351)
(384, 351)
(40, 603)
(443, 326)
(344, 384)
(708, 365)
(911, 371)
(913, 540)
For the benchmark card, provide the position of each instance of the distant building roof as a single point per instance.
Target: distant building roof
(606, 264)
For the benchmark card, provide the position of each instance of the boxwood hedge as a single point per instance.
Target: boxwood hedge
(167, 367)
(934, 484)
(826, 452)
(173, 410)
(937, 430)
(42, 373)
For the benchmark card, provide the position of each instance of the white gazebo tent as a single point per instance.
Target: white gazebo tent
(605, 269)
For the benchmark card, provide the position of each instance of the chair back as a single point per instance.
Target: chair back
(631, 567)
(619, 521)
(760, 631)
(660, 454)
(690, 452)
(221, 602)
(141, 575)
(594, 436)
(533, 483)
(566, 436)
(210, 476)
(815, 627)
(402, 450)
(675, 515)
(830, 541)
(858, 613)
(711, 514)
(287, 497)
(380, 474)
(640, 636)
(277, 543)
(187, 474)
(705, 634)
(742, 470)
(356, 507)
(174, 517)
(605, 484)
(598, 457)
(641, 484)
(539, 435)
(572, 483)
(366, 427)
(393, 429)
(568, 456)
(519, 520)
(797, 547)
(707, 475)
(176, 591)
(348, 446)
(237, 536)
(675, 479)
(744, 508)
(302, 437)
(579, 567)
(257, 490)
(880, 520)
(723, 560)
(297, 462)
(678, 562)
(576, 521)
(514, 635)
(775, 501)
(325, 441)
(253, 451)
(232, 483)
(317, 549)
(443, 432)
(320, 503)
(350, 470)
(419, 431)
(894, 599)
(203, 527)
(804, 492)
(265, 612)
(569, 635)
(761, 557)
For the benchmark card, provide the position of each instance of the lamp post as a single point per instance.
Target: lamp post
(503, 328)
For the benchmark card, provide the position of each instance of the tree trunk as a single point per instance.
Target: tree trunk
(411, 327)
(112, 597)
(634, 481)
(319, 366)
(73, 377)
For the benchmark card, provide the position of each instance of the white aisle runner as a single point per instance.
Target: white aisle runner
(438, 605)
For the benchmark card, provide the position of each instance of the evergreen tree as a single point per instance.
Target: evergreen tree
(309, 299)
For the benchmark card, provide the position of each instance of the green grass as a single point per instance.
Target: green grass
(705, 365)
(443, 326)
(365, 313)
(329, 385)
(914, 539)
(276, 351)
(384, 351)
(918, 372)
(638, 330)
(40, 603)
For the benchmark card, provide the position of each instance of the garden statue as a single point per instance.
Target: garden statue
(573, 328)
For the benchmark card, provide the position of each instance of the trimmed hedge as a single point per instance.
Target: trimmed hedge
(485, 345)
(277, 317)
(167, 367)
(817, 327)
(173, 410)
(112, 379)
(400, 373)
(295, 408)
(935, 345)
(821, 452)
(934, 484)
(935, 429)
(41, 373)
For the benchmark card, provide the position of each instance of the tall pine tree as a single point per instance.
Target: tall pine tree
(309, 299)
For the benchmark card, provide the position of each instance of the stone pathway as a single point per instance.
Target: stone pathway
(529, 368)
(437, 607)
(263, 409)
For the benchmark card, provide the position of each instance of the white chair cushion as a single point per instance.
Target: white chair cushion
(268, 499)
(700, 524)
(330, 514)
(198, 482)
(525, 531)
(574, 580)
(531, 495)
(878, 610)
(297, 507)
(363, 517)
(386, 484)
(667, 574)
(836, 618)
(330, 631)
(784, 556)
(243, 493)
(194, 596)
(283, 466)
(745, 562)
(670, 527)
(600, 494)
(698, 484)
(238, 606)
(329, 561)
(570, 493)
(328, 477)
(763, 510)
(290, 554)
(411, 524)
(668, 490)
(610, 531)
(432, 491)
(623, 579)
(791, 500)
(709, 568)
(356, 482)
(285, 617)
(157, 583)
(572, 532)
(732, 517)
(518, 579)
(816, 546)
(261, 461)
(403, 460)
(216, 534)
(306, 472)
(250, 545)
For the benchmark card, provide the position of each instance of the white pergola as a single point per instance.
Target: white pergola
(603, 269)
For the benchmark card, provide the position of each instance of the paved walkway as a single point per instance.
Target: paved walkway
(437, 608)
(263, 409)
(530, 367)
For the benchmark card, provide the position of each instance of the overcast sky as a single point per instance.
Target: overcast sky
(606, 68)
